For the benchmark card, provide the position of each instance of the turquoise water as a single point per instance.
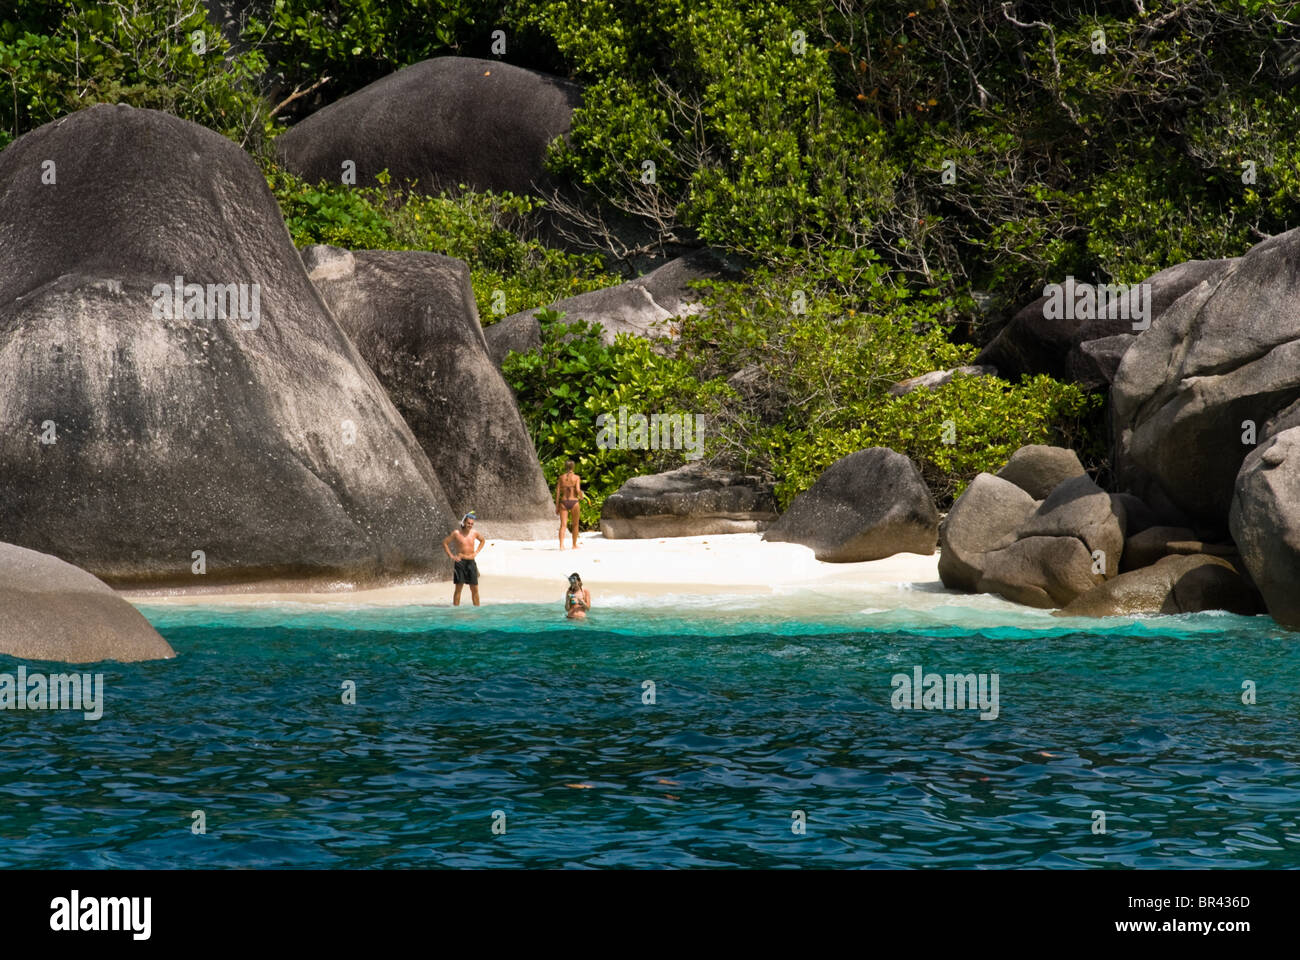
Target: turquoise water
(461, 713)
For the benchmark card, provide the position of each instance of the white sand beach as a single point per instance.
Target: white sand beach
(536, 571)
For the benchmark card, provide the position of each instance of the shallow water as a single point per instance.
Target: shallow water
(761, 708)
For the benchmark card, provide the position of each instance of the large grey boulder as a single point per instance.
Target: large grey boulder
(1222, 356)
(413, 317)
(443, 122)
(1038, 469)
(131, 441)
(998, 539)
(1174, 584)
(1093, 363)
(1151, 545)
(1039, 571)
(689, 501)
(51, 610)
(866, 506)
(1089, 350)
(983, 519)
(1029, 344)
(1079, 508)
(1265, 523)
(1098, 345)
(642, 307)
(1140, 516)
(518, 333)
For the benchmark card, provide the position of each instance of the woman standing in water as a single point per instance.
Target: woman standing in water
(577, 601)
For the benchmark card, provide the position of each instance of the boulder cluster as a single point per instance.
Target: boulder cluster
(329, 436)
(1042, 533)
(1205, 417)
(189, 401)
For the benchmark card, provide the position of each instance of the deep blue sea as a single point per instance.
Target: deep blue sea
(508, 716)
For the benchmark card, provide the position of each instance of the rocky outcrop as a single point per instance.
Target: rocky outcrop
(985, 518)
(1038, 469)
(1028, 345)
(690, 501)
(1080, 509)
(1093, 363)
(1194, 392)
(1148, 546)
(519, 332)
(413, 317)
(1174, 584)
(1153, 544)
(1265, 522)
(1071, 542)
(642, 307)
(1098, 346)
(51, 610)
(999, 539)
(146, 443)
(1084, 348)
(443, 122)
(1138, 515)
(866, 506)
(1039, 571)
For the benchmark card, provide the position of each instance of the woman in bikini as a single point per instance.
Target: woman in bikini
(568, 495)
(577, 601)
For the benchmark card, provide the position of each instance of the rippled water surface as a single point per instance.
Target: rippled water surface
(757, 714)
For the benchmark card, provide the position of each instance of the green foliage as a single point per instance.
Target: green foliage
(1107, 162)
(1108, 166)
(56, 58)
(752, 149)
(969, 425)
(355, 42)
(1104, 141)
(574, 378)
(814, 388)
(815, 384)
(491, 232)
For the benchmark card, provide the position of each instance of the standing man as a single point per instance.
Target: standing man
(568, 496)
(468, 543)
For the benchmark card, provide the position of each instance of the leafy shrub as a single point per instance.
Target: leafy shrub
(573, 378)
(751, 147)
(814, 388)
(355, 42)
(814, 384)
(489, 231)
(59, 57)
(969, 425)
